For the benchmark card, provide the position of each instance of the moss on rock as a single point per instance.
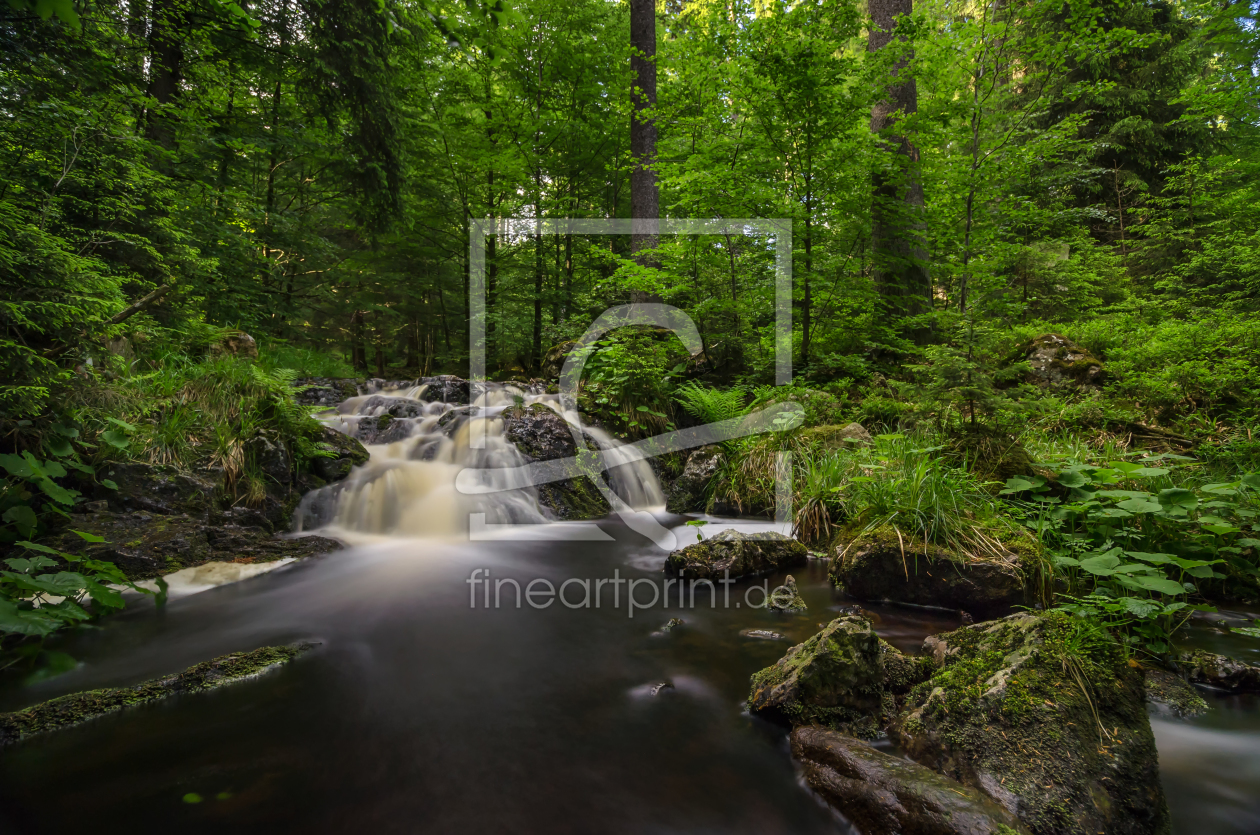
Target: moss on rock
(735, 554)
(1044, 713)
(76, 708)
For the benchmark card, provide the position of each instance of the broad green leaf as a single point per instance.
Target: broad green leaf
(1072, 479)
(1154, 559)
(24, 622)
(60, 447)
(121, 424)
(1114, 513)
(115, 438)
(1103, 565)
(1178, 499)
(17, 466)
(65, 431)
(56, 492)
(35, 546)
(1140, 607)
(109, 484)
(1017, 485)
(1140, 506)
(1124, 494)
(22, 517)
(1221, 530)
(88, 537)
(1160, 584)
(1248, 542)
(1067, 561)
(1249, 631)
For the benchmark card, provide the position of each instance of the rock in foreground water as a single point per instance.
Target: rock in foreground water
(735, 554)
(1045, 715)
(1219, 672)
(880, 793)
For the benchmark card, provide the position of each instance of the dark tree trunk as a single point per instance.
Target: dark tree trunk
(644, 193)
(166, 65)
(899, 262)
(358, 355)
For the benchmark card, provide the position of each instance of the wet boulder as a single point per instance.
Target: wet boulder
(1219, 672)
(878, 792)
(1045, 715)
(153, 488)
(343, 454)
(844, 677)
(540, 434)
(879, 565)
(1055, 360)
(734, 554)
(324, 391)
(272, 458)
(445, 388)
(688, 492)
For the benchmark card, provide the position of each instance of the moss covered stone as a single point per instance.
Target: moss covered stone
(844, 677)
(1170, 690)
(1045, 714)
(734, 554)
(879, 565)
(74, 709)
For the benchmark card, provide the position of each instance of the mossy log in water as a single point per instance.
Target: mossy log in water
(76, 708)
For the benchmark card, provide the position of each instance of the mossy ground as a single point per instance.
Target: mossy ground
(76, 708)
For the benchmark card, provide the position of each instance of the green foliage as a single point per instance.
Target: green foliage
(628, 381)
(1137, 544)
(712, 405)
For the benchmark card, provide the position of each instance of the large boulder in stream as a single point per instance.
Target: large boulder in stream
(542, 435)
(880, 565)
(343, 454)
(1044, 714)
(844, 677)
(880, 793)
(733, 554)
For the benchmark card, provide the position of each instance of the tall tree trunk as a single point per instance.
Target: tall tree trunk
(358, 356)
(644, 192)
(899, 262)
(535, 345)
(166, 65)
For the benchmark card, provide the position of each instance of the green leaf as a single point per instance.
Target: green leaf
(1154, 559)
(1178, 499)
(115, 438)
(35, 546)
(60, 447)
(1221, 530)
(1160, 584)
(24, 622)
(65, 431)
(1140, 506)
(21, 517)
(1072, 479)
(1248, 542)
(108, 484)
(17, 466)
(88, 537)
(122, 424)
(1103, 565)
(1249, 631)
(56, 492)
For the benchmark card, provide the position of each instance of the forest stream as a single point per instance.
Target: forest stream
(421, 712)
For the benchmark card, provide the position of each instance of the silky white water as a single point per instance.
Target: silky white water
(408, 487)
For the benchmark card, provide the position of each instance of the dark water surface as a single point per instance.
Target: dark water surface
(421, 714)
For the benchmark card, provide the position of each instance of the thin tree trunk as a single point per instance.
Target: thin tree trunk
(644, 192)
(897, 250)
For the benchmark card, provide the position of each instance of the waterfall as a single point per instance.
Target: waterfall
(418, 448)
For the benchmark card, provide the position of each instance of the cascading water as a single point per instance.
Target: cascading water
(418, 448)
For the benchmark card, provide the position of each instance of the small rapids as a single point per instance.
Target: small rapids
(408, 487)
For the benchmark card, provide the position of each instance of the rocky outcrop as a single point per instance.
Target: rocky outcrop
(324, 391)
(1045, 715)
(880, 793)
(77, 708)
(689, 492)
(542, 435)
(1219, 672)
(733, 554)
(881, 566)
(329, 391)
(1055, 360)
(844, 677)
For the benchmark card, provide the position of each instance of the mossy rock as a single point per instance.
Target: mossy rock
(879, 565)
(1171, 690)
(77, 708)
(732, 554)
(689, 492)
(878, 792)
(1045, 714)
(1055, 360)
(844, 677)
(1220, 672)
(540, 434)
(834, 435)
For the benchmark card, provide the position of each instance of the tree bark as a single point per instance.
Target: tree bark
(644, 192)
(166, 64)
(899, 261)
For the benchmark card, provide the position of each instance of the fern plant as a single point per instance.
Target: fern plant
(712, 405)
